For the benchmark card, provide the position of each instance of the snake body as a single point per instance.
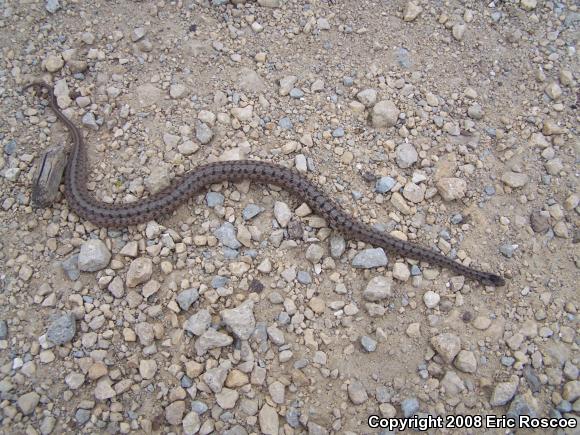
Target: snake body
(87, 206)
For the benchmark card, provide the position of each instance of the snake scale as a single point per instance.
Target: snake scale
(87, 206)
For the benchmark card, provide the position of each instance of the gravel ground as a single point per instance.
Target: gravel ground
(453, 124)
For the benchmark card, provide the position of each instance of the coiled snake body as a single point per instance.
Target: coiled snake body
(101, 214)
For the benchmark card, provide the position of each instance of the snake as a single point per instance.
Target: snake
(87, 206)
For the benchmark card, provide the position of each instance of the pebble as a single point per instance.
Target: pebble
(368, 97)
(447, 345)
(412, 11)
(52, 6)
(62, 329)
(508, 250)
(357, 393)
(53, 63)
(191, 423)
(282, 213)
(431, 299)
(93, 256)
(406, 155)
(466, 361)
(385, 114)
(27, 402)
(186, 298)
(251, 211)
(368, 344)
(214, 199)
(268, 418)
(198, 323)
(211, 339)
(514, 179)
(370, 258)
(504, 392)
(451, 188)
(385, 184)
(401, 272)
(226, 234)
(3, 329)
(314, 253)
(377, 289)
(337, 246)
(240, 320)
(140, 270)
(178, 91)
(287, 84)
(409, 407)
(203, 133)
(174, 412)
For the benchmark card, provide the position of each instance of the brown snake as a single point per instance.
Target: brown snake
(162, 203)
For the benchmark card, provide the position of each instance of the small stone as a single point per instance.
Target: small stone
(528, 5)
(571, 391)
(240, 320)
(287, 84)
(504, 392)
(377, 289)
(508, 250)
(140, 270)
(103, 390)
(322, 24)
(385, 184)
(188, 147)
(226, 234)
(191, 423)
(282, 213)
(62, 329)
(401, 272)
(451, 188)
(406, 155)
(147, 368)
(368, 97)
(514, 179)
(93, 256)
(53, 63)
(174, 412)
(384, 114)
(52, 6)
(409, 407)
(475, 111)
(553, 90)
(540, 222)
(186, 298)
(314, 253)
(466, 361)
(431, 299)
(458, 31)
(74, 380)
(296, 93)
(144, 331)
(3, 330)
(198, 323)
(370, 258)
(178, 91)
(27, 402)
(203, 133)
(251, 211)
(357, 393)
(368, 344)
(211, 339)
(412, 11)
(447, 345)
(268, 418)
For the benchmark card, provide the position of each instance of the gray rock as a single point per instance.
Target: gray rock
(215, 378)
(377, 289)
(368, 97)
(508, 250)
(285, 123)
(504, 391)
(3, 329)
(410, 406)
(515, 179)
(27, 402)
(406, 155)
(384, 114)
(158, 179)
(214, 199)
(337, 246)
(199, 407)
(240, 320)
(62, 329)
(293, 416)
(385, 184)
(70, 266)
(370, 258)
(203, 133)
(250, 80)
(268, 417)
(304, 277)
(338, 132)
(82, 416)
(52, 6)
(447, 345)
(357, 393)
(186, 298)
(198, 323)
(211, 339)
(144, 331)
(88, 120)
(226, 234)
(178, 90)
(251, 211)
(191, 423)
(219, 281)
(296, 93)
(93, 256)
(368, 343)
(140, 270)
